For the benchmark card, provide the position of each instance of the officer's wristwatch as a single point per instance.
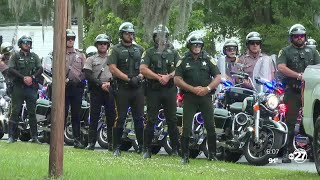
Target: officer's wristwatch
(209, 89)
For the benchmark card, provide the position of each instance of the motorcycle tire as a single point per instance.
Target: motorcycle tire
(194, 153)
(155, 149)
(44, 137)
(125, 145)
(24, 135)
(1, 131)
(316, 144)
(102, 138)
(68, 136)
(272, 136)
(166, 145)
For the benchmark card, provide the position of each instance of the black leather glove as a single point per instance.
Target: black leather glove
(135, 81)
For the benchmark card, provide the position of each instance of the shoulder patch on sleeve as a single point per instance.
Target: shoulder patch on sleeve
(143, 55)
(280, 53)
(213, 61)
(178, 63)
(110, 52)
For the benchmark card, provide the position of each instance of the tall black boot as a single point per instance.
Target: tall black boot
(12, 132)
(77, 143)
(288, 148)
(174, 142)
(147, 140)
(185, 150)
(92, 139)
(109, 139)
(116, 139)
(139, 137)
(212, 147)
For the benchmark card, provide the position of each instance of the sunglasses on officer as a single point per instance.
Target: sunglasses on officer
(297, 36)
(129, 33)
(255, 43)
(196, 45)
(70, 38)
(231, 49)
(102, 43)
(26, 42)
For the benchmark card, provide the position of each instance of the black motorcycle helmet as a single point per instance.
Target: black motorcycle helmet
(160, 29)
(24, 39)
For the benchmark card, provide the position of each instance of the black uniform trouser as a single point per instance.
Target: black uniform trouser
(99, 98)
(167, 98)
(292, 99)
(23, 93)
(191, 104)
(73, 98)
(129, 97)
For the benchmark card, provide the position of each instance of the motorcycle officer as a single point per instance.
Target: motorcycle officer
(292, 61)
(228, 63)
(6, 51)
(74, 86)
(99, 77)
(158, 65)
(124, 61)
(197, 75)
(312, 43)
(255, 63)
(24, 67)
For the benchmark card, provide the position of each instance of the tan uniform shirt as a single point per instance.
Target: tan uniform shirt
(74, 65)
(98, 64)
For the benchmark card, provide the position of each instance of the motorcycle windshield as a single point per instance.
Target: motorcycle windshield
(263, 69)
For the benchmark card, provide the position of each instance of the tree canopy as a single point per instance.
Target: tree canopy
(220, 19)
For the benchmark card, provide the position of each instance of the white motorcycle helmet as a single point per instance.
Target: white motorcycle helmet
(91, 50)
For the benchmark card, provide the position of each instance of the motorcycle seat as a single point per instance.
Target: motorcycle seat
(236, 107)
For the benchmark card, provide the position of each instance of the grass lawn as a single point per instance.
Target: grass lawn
(30, 161)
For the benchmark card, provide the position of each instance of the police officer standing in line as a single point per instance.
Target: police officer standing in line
(74, 85)
(158, 65)
(124, 61)
(25, 67)
(228, 64)
(198, 75)
(6, 51)
(99, 77)
(255, 63)
(292, 61)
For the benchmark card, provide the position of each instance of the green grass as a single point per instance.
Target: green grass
(30, 161)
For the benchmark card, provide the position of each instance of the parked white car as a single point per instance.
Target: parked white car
(311, 108)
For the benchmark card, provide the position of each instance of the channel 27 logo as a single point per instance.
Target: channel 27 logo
(299, 156)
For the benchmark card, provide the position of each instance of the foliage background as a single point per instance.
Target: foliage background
(221, 19)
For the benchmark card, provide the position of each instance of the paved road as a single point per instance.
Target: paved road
(306, 166)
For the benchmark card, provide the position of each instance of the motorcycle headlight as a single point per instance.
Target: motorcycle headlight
(272, 101)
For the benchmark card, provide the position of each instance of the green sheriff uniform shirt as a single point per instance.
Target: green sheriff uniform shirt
(26, 65)
(297, 59)
(127, 59)
(198, 72)
(160, 62)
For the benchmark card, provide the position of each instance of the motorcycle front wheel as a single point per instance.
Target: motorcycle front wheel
(103, 138)
(1, 131)
(258, 153)
(68, 136)
(24, 135)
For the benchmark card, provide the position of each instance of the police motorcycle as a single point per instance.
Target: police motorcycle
(5, 102)
(247, 126)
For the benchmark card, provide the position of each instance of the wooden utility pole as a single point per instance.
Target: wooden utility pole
(58, 89)
(80, 24)
(69, 14)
